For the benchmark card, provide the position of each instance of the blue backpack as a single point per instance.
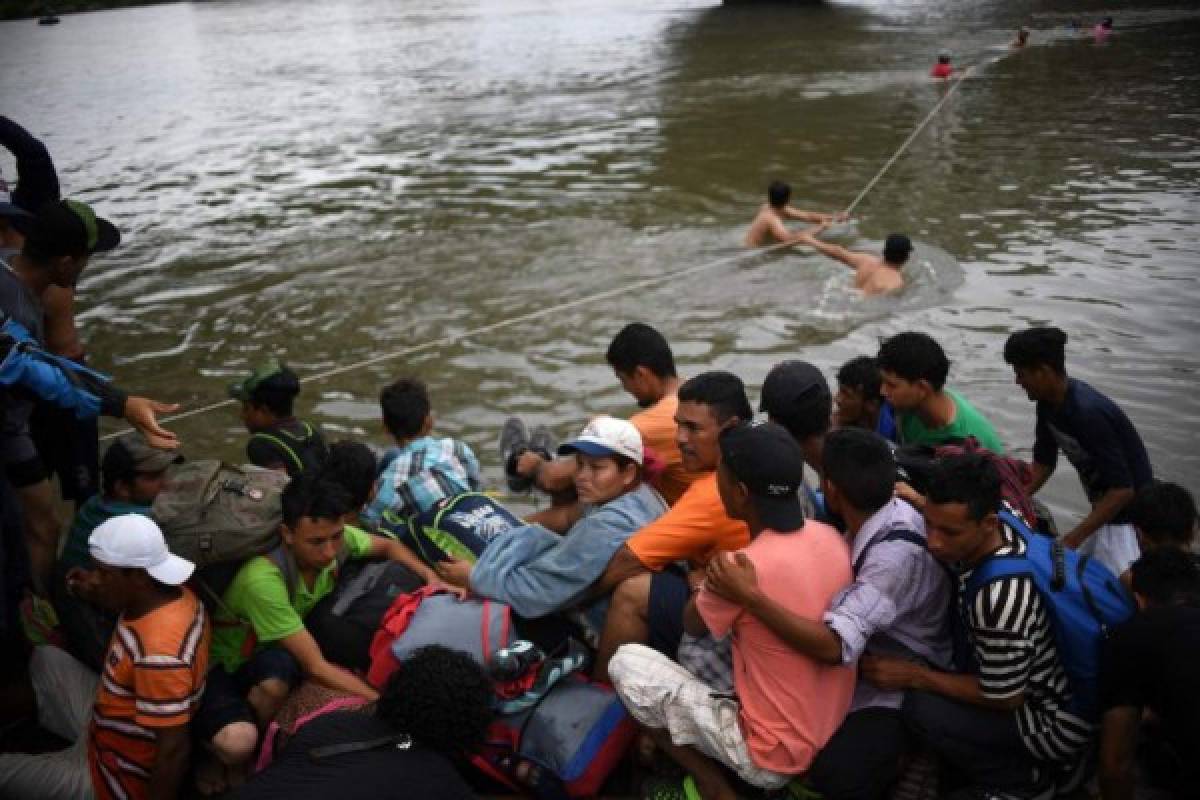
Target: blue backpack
(1083, 599)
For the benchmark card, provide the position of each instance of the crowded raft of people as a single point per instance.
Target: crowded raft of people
(853, 592)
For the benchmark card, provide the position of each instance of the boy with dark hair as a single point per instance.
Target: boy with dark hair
(1164, 515)
(650, 588)
(1096, 437)
(859, 402)
(130, 727)
(1149, 664)
(278, 440)
(354, 466)
(641, 359)
(425, 470)
(1006, 727)
(913, 368)
(133, 473)
(261, 648)
(439, 702)
(896, 605)
(768, 226)
(787, 704)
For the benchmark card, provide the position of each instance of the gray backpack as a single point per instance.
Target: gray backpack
(213, 513)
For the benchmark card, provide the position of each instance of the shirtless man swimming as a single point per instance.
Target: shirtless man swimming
(872, 274)
(768, 227)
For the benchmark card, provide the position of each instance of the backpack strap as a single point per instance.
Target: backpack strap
(895, 535)
(401, 741)
(282, 558)
(283, 446)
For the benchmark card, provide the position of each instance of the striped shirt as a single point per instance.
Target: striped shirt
(423, 473)
(1014, 644)
(153, 678)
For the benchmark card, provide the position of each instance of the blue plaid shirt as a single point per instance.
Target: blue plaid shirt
(424, 472)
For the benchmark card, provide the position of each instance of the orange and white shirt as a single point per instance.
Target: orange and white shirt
(153, 678)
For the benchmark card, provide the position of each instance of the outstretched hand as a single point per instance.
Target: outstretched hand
(732, 577)
(142, 413)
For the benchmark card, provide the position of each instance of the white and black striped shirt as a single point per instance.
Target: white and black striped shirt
(1014, 644)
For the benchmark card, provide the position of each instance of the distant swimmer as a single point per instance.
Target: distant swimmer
(768, 226)
(1022, 38)
(1103, 30)
(943, 68)
(872, 274)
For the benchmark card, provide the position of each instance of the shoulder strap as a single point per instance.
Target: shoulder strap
(282, 445)
(897, 535)
(282, 558)
(401, 741)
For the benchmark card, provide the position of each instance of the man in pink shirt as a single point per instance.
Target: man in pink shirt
(786, 705)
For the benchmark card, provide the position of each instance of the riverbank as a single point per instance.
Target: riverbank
(32, 9)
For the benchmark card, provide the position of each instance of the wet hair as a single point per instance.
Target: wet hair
(441, 698)
(971, 479)
(721, 391)
(314, 496)
(861, 465)
(639, 345)
(1165, 513)
(1034, 347)
(352, 465)
(943, 58)
(117, 465)
(778, 194)
(862, 375)
(279, 401)
(405, 406)
(1167, 577)
(914, 357)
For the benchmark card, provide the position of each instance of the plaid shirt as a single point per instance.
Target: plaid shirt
(425, 472)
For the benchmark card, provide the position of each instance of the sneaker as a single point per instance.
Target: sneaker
(513, 661)
(514, 440)
(541, 441)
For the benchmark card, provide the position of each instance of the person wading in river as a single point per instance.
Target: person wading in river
(873, 274)
(768, 226)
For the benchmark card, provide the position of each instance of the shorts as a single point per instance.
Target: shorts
(224, 701)
(661, 694)
(669, 594)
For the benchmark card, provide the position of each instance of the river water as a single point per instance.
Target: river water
(330, 181)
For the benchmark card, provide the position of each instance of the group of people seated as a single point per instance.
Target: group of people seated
(842, 597)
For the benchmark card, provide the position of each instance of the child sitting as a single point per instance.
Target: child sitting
(423, 471)
(277, 439)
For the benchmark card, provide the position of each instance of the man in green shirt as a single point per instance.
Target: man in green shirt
(914, 367)
(260, 646)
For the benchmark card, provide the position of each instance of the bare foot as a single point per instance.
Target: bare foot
(210, 776)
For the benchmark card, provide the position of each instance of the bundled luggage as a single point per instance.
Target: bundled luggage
(458, 527)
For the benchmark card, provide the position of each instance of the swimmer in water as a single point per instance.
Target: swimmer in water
(1022, 38)
(768, 226)
(1103, 29)
(872, 274)
(942, 69)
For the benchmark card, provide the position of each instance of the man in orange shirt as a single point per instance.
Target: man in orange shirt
(137, 742)
(651, 589)
(786, 704)
(642, 360)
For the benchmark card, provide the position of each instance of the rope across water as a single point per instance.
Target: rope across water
(644, 283)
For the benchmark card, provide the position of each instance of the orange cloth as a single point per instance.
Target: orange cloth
(694, 529)
(153, 678)
(657, 427)
(791, 705)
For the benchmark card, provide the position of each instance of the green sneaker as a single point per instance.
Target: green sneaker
(670, 789)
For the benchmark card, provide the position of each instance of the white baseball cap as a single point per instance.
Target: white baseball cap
(604, 436)
(134, 540)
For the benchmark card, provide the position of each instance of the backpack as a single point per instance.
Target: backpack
(575, 736)
(457, 527)
(304, 452)
(211, 512)
(344, 622)
(428, 616)
(1083, 600)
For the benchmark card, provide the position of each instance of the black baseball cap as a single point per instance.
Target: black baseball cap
(766, 459)
(793, 391)
(69, 227)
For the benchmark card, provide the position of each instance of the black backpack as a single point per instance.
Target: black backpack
(345, 621)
